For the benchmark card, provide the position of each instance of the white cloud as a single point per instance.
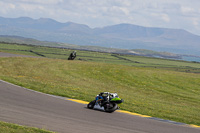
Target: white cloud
(161, 16)
(30, 8)
(187, 9)
(35, 1)
(6, 7)
(196, 22)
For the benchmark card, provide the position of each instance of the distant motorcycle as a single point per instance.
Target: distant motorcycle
(106, 101)
(72, 56)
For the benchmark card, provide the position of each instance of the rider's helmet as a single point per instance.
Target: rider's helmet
(114, 95)
(105, 95)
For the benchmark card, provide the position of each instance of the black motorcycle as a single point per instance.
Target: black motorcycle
(106, 102)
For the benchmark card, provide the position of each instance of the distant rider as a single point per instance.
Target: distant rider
(72, 56)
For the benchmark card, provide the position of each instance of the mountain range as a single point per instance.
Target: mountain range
(126, 36)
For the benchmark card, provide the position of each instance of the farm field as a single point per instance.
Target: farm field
(167, 89)
(90, 56)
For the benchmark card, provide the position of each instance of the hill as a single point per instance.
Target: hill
(125, 36)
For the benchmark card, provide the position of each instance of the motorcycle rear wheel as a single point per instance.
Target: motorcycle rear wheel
(112, 109)
(91, 104)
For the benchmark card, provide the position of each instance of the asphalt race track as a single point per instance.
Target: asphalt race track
(26, 107)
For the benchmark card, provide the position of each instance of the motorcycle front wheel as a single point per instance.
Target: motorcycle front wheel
(111, 107)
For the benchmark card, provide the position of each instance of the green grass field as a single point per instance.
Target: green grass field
(13, 128)
(160, 88)
(89, 56)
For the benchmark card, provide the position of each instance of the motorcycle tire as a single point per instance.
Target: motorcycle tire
(110, 110)
(91, 104)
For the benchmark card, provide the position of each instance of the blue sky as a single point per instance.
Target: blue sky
(178, 14)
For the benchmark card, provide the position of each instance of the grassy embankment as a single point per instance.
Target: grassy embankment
(156, 87)
(13, 128)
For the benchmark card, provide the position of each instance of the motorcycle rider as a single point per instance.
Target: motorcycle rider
(72, 56)
(103, 98)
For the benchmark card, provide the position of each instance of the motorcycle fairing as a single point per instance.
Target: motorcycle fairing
(97, 106)
(117, 100)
